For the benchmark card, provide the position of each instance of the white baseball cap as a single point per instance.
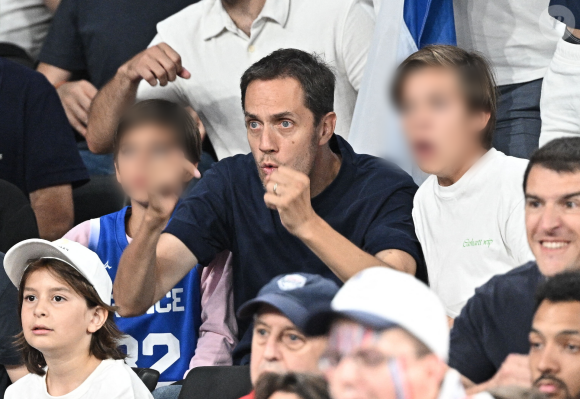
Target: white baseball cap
(382, 298)
(85, 261)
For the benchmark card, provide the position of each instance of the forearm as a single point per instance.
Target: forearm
(342, 257)
(106, 110)
(54, 74)
(54, 211)
(135, 283)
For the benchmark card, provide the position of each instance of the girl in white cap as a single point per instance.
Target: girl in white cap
(69, 339)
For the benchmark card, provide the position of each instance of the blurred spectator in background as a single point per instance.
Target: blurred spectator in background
(39, 154)
(11, 364)
(23, 27)
(519, 38)
(291, 386)
(17, 219)
(555, 337)
(388, 340)
(560, 92)
(210, 45)
(490, 337)
(469, 213)
(87, 42)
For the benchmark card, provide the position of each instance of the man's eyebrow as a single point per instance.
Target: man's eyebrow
(250, 116)
(568, 196)
(569, 332)
(282, 115)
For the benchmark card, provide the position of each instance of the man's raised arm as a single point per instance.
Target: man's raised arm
(159, 63)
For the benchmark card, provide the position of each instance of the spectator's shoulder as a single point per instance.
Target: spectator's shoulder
(18, 75)
(233, 168)
(380, 171)
(510, 285)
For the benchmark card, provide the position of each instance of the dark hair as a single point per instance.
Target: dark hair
(560, 155)
(563, 287)
(104, 342)
(313, 74)
(164, 113)
(306, 386)
(474, 70)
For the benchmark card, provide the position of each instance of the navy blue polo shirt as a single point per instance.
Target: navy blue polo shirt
(369, 202)
(98, 36)
(495, 323)
(37, 144)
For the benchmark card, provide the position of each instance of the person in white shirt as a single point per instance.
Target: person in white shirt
(69, 340)
(519, 38)
(200, 54)
(469, 214)
(560, 103)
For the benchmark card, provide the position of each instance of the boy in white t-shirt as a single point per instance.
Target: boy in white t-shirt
(69, 339)
(469, 214)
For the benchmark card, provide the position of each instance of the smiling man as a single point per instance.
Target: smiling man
(555, 338)
(469, 214)
(301, 201)
(490, 336)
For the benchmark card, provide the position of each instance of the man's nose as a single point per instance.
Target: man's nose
(272, 348)
(268, 142)
(550, 219)
(548, 363)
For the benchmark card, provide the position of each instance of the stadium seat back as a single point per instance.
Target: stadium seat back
(148, 376)
(217, 382)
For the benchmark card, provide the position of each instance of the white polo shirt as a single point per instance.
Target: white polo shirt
(217, 53)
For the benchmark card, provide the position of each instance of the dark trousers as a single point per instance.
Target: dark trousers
(518, 119)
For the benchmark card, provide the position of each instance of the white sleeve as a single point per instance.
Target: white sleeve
(560, 101)
(356, 39)
(171, 92)
(516, 236)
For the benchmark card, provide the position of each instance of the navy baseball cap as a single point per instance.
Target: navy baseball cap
(295, 295)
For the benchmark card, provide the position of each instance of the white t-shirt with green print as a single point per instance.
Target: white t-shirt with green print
(473, 229)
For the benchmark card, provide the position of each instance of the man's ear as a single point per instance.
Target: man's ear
(187, 177)
(327, 125)
(98, 318)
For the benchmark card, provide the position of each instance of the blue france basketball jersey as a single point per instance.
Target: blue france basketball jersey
(165, 337)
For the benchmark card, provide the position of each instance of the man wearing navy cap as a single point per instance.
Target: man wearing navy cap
(280, 313)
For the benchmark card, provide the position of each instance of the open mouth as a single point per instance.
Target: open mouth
(554, 244)
(268, 167)
(423, 148)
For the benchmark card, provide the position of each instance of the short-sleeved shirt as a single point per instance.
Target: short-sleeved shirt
(98, 36)
(369, 202)
(495, 323)
(9, 327)
(17, 219)
(566, 9)
(37, 144)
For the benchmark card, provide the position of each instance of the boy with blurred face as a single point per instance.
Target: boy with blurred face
(388, 340)
(156, 135)
(490, 336)
(555, 338)
(469, 215)
(279, 344)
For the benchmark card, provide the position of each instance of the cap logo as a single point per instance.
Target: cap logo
(291, 282)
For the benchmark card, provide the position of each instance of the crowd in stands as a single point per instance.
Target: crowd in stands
(182, 213)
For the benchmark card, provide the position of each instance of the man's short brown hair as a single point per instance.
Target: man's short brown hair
(475, 73)
(167, 114)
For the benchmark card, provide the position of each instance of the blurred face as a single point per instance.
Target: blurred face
(279, 347)
(555, 350)
(139, 149)
(361, 363)
(443, 133)
(281, 129)
(553, 219)
(55, 319)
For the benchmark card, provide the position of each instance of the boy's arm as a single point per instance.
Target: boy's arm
(219, 329)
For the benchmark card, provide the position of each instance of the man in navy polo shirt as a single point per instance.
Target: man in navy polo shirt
(303, 201)
(489, 339)
(38, 153)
